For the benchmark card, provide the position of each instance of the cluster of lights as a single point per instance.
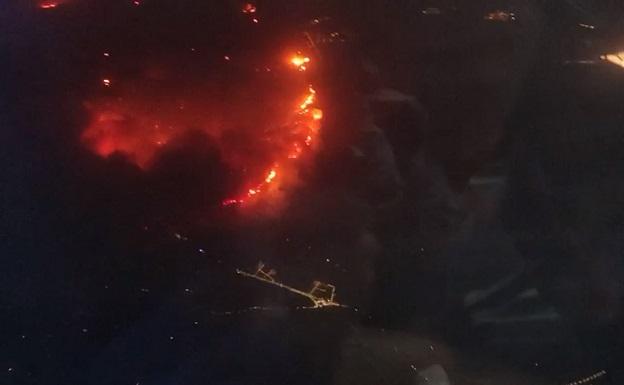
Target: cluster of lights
(321, 295)
(589, 379)
(250, 9)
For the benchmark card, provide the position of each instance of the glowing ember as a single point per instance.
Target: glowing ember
(310, 122)
(113, 131)
(317, 114)
(300, 62)
(308, 100)
(254, 20)
(48, 4)
(249, 8)
(271, 176)
(141, 127)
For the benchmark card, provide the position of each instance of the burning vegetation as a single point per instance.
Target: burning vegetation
(263, 124)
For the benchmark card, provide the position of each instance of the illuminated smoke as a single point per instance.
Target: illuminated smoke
(263, 142)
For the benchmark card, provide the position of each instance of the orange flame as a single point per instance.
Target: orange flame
(309, 119)
(300, 61)
(133, 127)
(309, 100)
(271, 176)
(317, 114)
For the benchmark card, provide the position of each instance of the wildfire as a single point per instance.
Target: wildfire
(253, 191)
(249, 8)
(142, 127)
(308, 122)
(271, 176)
(114, 131)
(300, 61)
(317, 114)
(309, 100)
(48, 4)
